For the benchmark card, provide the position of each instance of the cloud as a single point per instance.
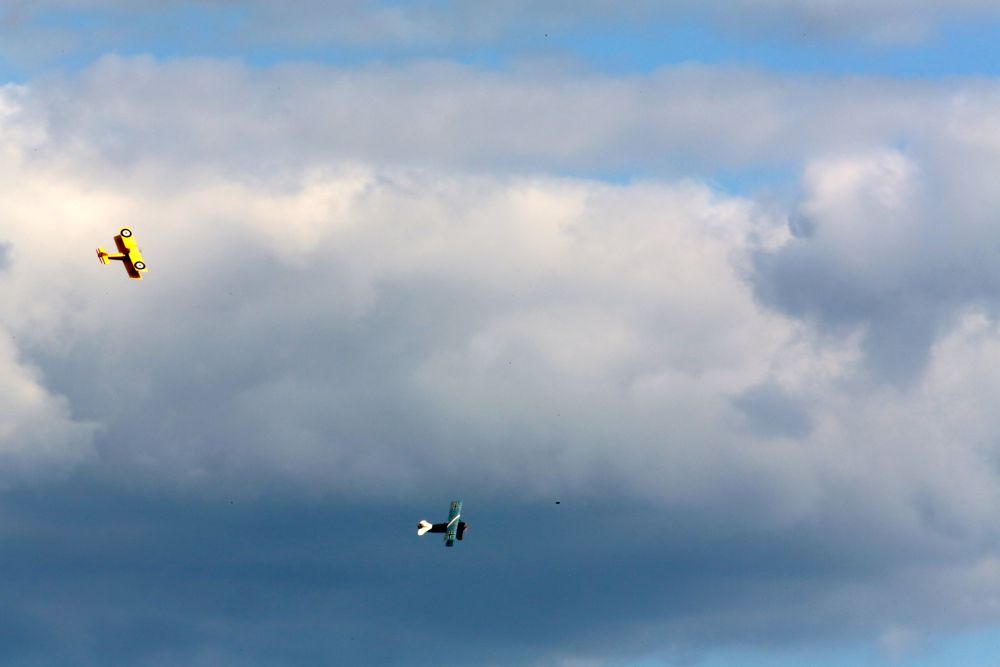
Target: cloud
(391, 322)
(772, 411)
(675, 121)
(893, 244)
(39, 436)
(332, 343)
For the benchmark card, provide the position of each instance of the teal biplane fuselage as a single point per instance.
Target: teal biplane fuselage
(453, 530)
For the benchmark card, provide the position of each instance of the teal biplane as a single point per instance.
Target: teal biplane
(453, 530)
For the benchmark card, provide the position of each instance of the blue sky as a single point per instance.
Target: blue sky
(718, 277)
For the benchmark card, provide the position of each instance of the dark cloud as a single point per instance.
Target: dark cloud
(899, 326)
(110, 575)
(771, 411)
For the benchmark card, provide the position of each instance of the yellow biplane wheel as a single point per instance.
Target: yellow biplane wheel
(126, 232)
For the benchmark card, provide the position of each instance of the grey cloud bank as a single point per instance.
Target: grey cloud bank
(674, 121)
(336, 329)
(897, 245)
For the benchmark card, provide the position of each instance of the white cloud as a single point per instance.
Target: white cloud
(522, 314)
(513, 306)
(671, 121)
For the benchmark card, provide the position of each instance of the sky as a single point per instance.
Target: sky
(694, 304)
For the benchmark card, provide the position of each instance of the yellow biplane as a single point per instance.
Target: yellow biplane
(128, 254)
